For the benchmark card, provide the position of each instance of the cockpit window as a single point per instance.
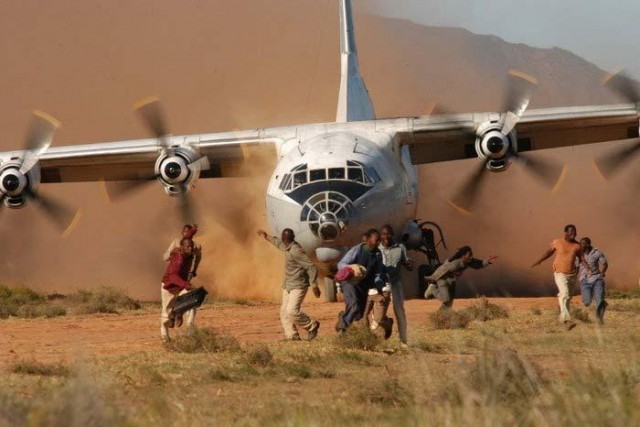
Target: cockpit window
(299, 178)
(336, 173)
(355, 174)
(286, 181)
(354, 171)
(371, 176)
(318, 175)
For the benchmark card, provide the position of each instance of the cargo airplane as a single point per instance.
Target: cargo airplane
(331, 180)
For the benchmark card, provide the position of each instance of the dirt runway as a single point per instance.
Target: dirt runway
(71, 337)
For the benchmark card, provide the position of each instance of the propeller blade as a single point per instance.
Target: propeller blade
(118, 189)
(201, 164)
(39, 137)
(551, 174)
(62, 215)
(152, 115)
(610, 163)
(520, 89)
(626, 87)
(467, 194)
(185, 204)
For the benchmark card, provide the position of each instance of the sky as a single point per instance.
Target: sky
(605, 33)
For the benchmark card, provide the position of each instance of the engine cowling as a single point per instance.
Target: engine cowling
(14, 184)
(176, 172)
(495, 147)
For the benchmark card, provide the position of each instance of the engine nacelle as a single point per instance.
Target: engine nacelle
(175, 171)
(495, 147)
(14, 184)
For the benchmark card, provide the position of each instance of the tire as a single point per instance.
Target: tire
(330, 290)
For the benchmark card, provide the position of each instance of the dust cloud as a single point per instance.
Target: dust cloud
(229, 64)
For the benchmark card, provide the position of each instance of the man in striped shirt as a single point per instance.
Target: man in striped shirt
(591, 276)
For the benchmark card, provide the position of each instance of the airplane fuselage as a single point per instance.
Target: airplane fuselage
(330, 187)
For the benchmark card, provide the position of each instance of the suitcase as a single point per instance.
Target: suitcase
(191, 299)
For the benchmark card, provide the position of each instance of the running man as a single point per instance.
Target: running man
(188, 231)
(176, 281)
(299, 273)
(567, 256)
(442, 283)
(369, 258)
(394, 257)
(591, 277)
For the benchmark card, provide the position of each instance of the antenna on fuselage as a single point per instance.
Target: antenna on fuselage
(354, 103)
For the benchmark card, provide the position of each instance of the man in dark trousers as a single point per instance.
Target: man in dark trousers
(176, 281)
(299, 273)
(369, 258)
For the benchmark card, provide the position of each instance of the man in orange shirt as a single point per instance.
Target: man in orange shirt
(567, 252)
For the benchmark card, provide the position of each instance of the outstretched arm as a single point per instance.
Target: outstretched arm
(477, 264)
(271, 239)
(544, 257)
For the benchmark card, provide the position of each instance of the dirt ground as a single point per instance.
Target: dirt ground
(70, 337)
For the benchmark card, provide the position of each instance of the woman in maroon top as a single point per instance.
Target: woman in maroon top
(176, 282)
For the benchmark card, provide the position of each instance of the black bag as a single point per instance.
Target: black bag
(191, 299)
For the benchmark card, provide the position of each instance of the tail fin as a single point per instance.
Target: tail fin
(354, 103)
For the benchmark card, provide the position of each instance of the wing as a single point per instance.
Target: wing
(452, 137)
(227, 153)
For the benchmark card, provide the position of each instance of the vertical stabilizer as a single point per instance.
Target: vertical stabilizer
(354, 103)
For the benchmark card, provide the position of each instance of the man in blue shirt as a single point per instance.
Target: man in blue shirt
(591, 276)
(366, 255)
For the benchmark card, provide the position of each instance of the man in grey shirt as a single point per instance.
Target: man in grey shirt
(394, 257)
(591, 276)
(299, 273)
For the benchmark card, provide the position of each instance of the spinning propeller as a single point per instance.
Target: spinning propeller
(19, 180)
(610, 163)
(497, 144)
(177, 168)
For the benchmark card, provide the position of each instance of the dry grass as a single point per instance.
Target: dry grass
(580, 314)
(484, 310)
(260, 355)
(521, 370)
(449, 319)
(33, 367)
(481, 310)
(103, 300)
(357, 337)
(203, 340)
(26, 303)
